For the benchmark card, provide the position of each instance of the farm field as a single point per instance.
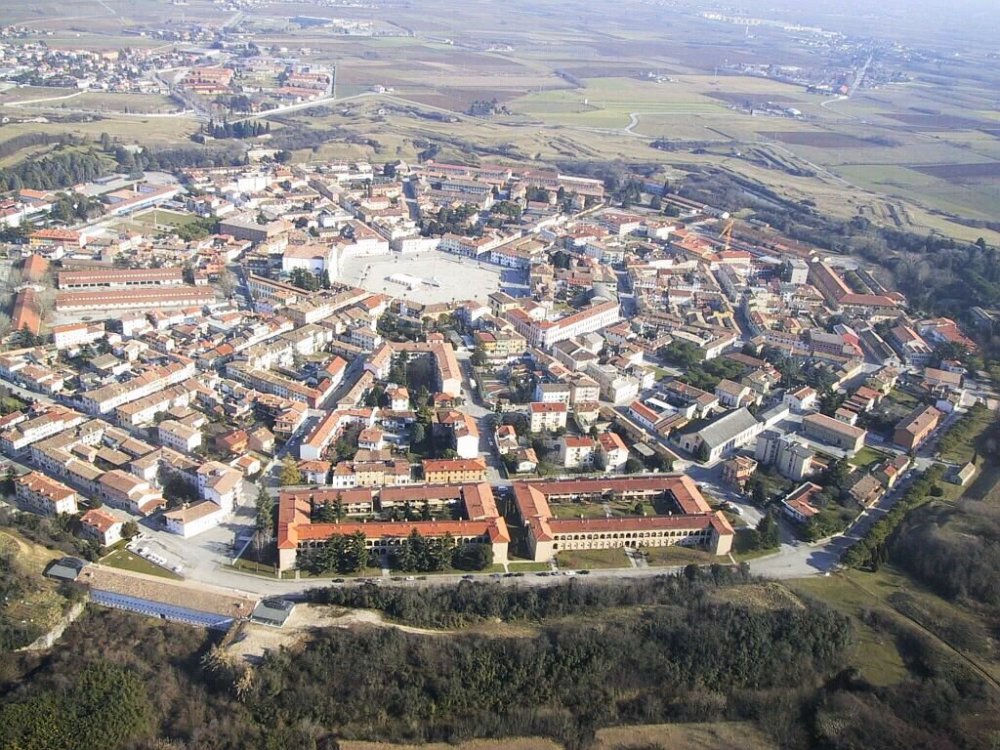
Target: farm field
(113, 103)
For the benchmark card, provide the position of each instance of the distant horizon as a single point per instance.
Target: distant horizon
(935, 21)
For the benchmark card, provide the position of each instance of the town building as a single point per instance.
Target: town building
(547, 416)
(481, 521)
(916, 427)
(830, 431)
(694, 523)
(40, 494)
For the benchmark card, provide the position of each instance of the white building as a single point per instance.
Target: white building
(547, 416)
(575, 451)
(100, 526)
(179, 436)
(43, 495)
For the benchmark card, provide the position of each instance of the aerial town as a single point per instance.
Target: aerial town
(541, 373)
(619, 375)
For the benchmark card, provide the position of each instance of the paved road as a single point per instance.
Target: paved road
(484, 423)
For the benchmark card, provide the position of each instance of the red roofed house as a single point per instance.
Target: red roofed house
(611, 452)
(798, 507)
(548, 416)
(100, 526)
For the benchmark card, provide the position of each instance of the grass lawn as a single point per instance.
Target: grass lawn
(867, 456)
(252, 566)
(527, 567)
(576, 510)
(125, 560)
(589, 559)
(165, 218)
(677, 555)
(902, 398)
(959, 444)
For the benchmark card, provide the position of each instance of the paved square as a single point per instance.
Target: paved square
(434, 276)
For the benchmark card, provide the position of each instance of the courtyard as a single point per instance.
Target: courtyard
(434, 276)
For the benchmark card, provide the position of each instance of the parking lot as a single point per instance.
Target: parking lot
(457, 278)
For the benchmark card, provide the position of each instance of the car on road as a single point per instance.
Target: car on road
(467, 577)
(543, 573)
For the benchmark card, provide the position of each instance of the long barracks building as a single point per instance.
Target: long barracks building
(482, 524)
(694, 524)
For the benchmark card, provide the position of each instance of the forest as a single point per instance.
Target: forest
(58, 169)
(678, 652)
(953, 550)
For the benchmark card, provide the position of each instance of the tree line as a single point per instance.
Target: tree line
(55, 170)
(472, 602)
(238, 129)
(870, 552)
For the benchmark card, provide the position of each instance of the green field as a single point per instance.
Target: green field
(677, 555)
(592, 559)
(516, 566)
(597, 86)
(867, 456)
(873, 652)
(159, 217)
(125, 560)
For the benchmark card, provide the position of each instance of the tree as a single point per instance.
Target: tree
(227, 283)
(472, 556)
(326, 513)
(702, 453)
(768, 533)
(417, 434)
(633, 466)
(290, 473)
(264, 510)
(130, 529)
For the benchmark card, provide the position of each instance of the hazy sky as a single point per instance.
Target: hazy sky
(939, 22)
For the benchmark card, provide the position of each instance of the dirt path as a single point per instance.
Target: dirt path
(257, 639)
(29, 102)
